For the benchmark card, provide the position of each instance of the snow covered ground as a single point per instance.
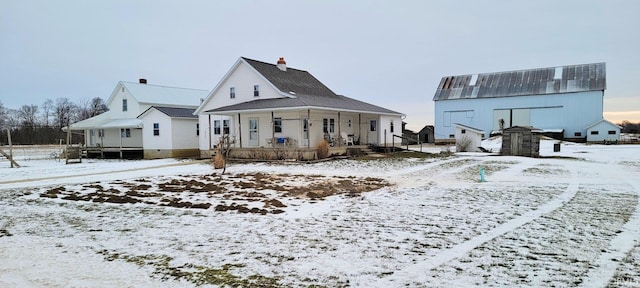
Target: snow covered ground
(568, 219)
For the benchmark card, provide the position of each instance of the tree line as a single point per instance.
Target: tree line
(628, 127)
(33, 124)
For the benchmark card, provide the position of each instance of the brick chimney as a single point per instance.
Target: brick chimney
(143, 81)
(282, 65)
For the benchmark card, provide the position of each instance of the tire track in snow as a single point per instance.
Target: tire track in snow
(619, 247)
(415, 271)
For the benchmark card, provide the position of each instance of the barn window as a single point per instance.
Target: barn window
(577, 134)
(463, 131)
(612, 132)
(452, 136)
(595, 132)
(156, 129)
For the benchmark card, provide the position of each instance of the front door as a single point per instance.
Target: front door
(253, 132)
(373, 132)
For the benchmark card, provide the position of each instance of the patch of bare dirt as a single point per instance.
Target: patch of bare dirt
(256, 193)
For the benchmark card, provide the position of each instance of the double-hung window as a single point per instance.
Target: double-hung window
(156, 129)
(125, 133)
(225, 126)
(328, 125)
(256, 90)
(232, 92)
(277, 125)
(216, 127)
(124, 105)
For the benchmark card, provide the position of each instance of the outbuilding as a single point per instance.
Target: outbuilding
(521, 141)
(603, 131)
(468, 139)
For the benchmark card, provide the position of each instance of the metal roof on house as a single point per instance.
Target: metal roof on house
(338, 102)
(175, 112)
(291, 80)
(164, 95)
(540, 81)
(104, 121)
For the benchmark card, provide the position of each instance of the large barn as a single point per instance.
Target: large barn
(565, 100)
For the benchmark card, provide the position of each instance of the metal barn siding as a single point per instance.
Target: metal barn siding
(536, 97)
(521, 141)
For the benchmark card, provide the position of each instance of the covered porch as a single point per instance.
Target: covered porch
(111, 138)
(300, 128)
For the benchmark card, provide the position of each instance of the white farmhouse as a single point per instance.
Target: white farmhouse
(144, 120)
(266, 105)
(565, 99)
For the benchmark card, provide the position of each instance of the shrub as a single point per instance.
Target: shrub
(323, 150)
(463, 144)
(218, 161)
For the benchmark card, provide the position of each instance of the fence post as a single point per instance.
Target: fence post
(10, 146)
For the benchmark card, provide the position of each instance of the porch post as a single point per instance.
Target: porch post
(339, 130)
(308, 128)
(209, 129)
(121, 131)
(359, 129)
(240, 130)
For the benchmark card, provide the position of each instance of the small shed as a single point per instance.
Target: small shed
(426, 134)
(603, 131)
(521, 141)
(468, 139)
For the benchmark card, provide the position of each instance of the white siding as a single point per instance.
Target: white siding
(243, 78)
(474, 137)
(600, 132)
(162, 141)
(133, 107)
(184, 133)
(572, 112)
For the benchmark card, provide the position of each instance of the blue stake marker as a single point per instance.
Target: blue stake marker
(482, 174)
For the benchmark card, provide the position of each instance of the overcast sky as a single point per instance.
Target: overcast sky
(389, 53)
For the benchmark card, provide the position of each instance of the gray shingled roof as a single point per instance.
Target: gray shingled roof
(574, 78)
(337, 102)
(177, 112)
(292, 80)
(309, 92)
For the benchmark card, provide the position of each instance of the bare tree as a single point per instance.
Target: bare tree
(64, 112)
(47, 108)
(98, 106)
(28, 115)
(3, 115)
